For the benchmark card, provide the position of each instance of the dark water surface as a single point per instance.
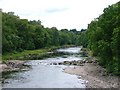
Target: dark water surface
(44, 75)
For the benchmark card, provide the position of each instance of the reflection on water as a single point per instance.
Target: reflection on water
(70, 50)
(44, 75)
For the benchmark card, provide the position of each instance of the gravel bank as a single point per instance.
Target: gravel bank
(96, 76)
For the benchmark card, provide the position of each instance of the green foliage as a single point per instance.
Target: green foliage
(103, 38)
(21, 34)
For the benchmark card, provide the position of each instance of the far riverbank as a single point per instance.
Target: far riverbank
(32, 54)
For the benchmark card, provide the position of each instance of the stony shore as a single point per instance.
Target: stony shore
(12, 65)
(95, 75)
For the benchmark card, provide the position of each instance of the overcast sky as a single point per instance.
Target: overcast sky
(68, 14)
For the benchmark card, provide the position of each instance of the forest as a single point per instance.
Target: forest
(102, 36)
(21, 34)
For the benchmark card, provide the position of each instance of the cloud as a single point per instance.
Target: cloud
(56, 10)
(59, 13)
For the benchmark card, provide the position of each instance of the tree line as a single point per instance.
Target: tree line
(102, 37)
(22, 34)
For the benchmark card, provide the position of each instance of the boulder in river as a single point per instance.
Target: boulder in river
(60, 63)
(54, 63)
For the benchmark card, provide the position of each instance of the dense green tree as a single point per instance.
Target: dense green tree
(21, 34)
(103, 38)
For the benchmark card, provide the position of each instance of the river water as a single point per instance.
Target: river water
(43, 74)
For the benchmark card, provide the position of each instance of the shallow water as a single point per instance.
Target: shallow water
(44, 75)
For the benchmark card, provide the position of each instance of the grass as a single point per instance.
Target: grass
(22, 55)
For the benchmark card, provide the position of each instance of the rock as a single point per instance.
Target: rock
(74, 63)
(3, 67)
(78, 63)
(54, 63)
(84, 54)
(90, 61)
(103, 74)
(81, 64)
(95, 61)
(70, 63)
(66, 63)
(12, 65)
(5, 82)
(60, 63)
(83, 61)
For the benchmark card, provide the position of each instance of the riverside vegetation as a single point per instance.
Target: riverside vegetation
(102, 37)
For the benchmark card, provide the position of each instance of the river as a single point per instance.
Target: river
(43, 74)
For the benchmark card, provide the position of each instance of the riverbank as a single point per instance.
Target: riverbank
(12, 65)
(96, 76)
(14, 61)
(32, 54)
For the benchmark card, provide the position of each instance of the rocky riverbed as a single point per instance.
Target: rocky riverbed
(76, 62)
(11, 65)
(96, 76)
(90, 71)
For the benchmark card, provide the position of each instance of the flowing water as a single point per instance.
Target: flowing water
(43, 74)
